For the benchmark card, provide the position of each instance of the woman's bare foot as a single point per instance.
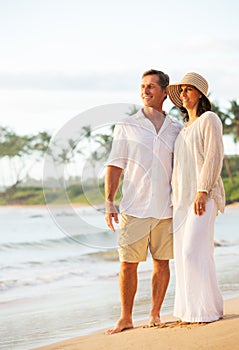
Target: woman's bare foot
(121, 326)
(183, 323)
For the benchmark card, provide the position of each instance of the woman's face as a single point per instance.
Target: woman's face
(189, 96)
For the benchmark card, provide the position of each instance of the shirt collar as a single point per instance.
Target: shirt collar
(141, 118)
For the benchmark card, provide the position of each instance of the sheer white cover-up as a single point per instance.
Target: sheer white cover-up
(198, 158)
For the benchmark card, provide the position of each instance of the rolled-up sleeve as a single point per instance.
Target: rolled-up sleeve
(119, 152)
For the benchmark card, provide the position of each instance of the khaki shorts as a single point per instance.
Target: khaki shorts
(155, 235)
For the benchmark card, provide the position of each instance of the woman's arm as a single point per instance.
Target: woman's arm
(213, 152)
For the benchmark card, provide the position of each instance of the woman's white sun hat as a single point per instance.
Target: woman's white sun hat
(193, 79)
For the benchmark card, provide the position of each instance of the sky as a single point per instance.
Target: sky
(60, 58)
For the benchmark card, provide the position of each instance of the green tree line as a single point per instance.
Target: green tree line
(20, 153)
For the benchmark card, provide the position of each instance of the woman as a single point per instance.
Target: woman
(198, 195)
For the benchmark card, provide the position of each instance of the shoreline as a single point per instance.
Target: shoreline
(233, 205)
(77, 205)
(222, 334)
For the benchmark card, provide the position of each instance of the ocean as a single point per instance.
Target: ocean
(59, 274)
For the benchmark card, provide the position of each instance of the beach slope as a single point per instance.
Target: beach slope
(217, 335)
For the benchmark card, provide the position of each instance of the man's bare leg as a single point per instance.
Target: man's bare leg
(160, 280)
(128, 285)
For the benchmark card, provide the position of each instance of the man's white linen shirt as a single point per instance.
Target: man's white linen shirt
(146, 158)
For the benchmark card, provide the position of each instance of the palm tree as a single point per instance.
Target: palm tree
(132, 110)
(105, 142)
(225, 119)
(226, 123)
(233, 112)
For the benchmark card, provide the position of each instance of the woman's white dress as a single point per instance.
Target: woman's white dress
(198, 158)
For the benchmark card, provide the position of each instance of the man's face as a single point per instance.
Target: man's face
(152, 93)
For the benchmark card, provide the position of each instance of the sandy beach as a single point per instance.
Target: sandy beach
(222, 334)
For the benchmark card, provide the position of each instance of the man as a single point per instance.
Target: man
(142, 149)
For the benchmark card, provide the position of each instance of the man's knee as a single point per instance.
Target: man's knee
(161, 265)
(127, 267)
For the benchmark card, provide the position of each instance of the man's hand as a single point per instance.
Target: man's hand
(112, 179)
(111, 215)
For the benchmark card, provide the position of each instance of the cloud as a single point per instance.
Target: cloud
(82, 82)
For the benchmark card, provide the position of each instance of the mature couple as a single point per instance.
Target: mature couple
(170, 171)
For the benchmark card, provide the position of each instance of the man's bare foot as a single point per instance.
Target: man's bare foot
(121, 326)
(155, 322)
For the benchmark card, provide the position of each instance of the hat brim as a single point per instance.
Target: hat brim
(174, 94)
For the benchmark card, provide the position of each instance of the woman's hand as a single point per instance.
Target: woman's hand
(200, 203)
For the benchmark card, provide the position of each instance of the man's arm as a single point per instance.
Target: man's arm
(112, 180)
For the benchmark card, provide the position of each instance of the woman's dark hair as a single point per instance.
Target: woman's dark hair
(203, 106)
